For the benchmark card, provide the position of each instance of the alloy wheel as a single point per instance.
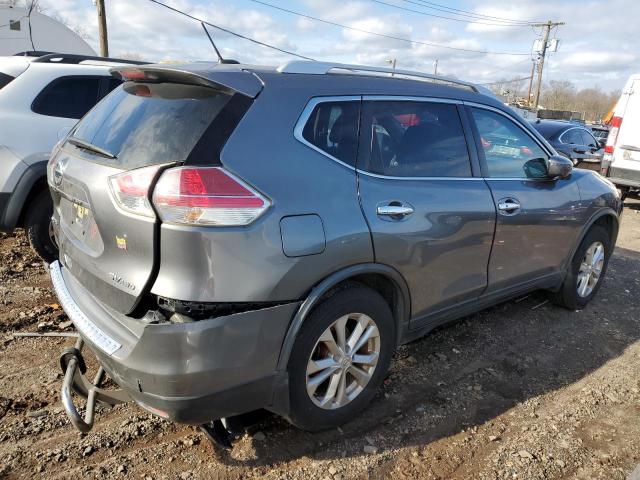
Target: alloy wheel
(590, 269)
(343, 361)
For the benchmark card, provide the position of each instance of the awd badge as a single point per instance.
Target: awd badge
(121, 242)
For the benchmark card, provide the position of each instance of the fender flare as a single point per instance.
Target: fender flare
(17, 201)
(402, 313)
(587, 226)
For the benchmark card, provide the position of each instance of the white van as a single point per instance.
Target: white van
(621, 162)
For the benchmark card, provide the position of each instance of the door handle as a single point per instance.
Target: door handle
(508, 206)
(579, 150)
(395, 210)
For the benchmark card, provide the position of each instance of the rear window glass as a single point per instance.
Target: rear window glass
(145, 124)
(5, 79)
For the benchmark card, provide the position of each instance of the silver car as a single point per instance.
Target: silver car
(236, 237)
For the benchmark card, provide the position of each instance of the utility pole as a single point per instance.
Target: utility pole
(533, 69)
(547, 30)
(102, 28)
(435, 67)
(392, 62)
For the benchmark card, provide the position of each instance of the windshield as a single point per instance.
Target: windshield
(145, 124)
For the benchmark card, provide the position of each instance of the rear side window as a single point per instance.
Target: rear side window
(572, 137)
(68, 97)
(146, 124)
(416, 139)
(509, 151)
(333, 128)
(587, 138)
(5, 79)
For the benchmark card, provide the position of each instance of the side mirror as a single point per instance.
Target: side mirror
(602, 142)
(559, 167)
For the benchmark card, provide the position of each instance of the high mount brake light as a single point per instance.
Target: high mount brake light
(206, 196)
(130, 190)
(616, 122)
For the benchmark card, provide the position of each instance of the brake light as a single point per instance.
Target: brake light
(616, 122)
(131, 190)
(206, 196)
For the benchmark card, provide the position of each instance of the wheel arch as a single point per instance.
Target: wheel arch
(606, 218)
(32, 182)
(382, 278)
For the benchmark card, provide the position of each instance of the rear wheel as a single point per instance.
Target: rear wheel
(587, 270)
(39, 229)
(340, 358)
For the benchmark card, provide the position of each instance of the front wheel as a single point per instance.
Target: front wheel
(587, 270)
(340, 358)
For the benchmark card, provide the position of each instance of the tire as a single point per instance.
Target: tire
(570, 295)
(38, 223)
(364, 307)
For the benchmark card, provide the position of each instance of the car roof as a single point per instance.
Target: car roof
(321, 79)
(550, 128)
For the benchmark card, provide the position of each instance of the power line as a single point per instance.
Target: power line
(505, 81)
(479, 15)
(446, 18)
(230, 32)
(378, 34)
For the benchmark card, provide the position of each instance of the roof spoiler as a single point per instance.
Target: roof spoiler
(228, 77)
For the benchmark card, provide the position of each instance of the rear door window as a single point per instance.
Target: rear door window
(587, 139)
(68, 97)
(416, 139)
(333, 128)
(145, 124)
(508, 150)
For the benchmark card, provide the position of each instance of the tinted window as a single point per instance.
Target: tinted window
(587, 138)
(5, 79)
(572, 137)
(145, 124)
(416, 139)
(509, 151)
(69, 97)
(333, 128)
(113, 83)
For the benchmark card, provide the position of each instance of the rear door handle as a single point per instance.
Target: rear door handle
(395, 210)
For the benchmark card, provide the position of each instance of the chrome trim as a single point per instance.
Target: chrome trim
(406, 98)
(394, 210)
(86, 327)
(304, 118)
(388, 177)
(568, 130)
(513, 119)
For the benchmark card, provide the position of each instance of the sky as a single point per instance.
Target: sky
(599, 44)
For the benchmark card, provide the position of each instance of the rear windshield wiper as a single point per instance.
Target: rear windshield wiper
(91, 147)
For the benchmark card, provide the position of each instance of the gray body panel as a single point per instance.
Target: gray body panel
(454, 255)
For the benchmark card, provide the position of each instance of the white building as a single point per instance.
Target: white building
(20, 32)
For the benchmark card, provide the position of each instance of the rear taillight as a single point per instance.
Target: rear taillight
(616, 122)
(206, 196)
(131, 190)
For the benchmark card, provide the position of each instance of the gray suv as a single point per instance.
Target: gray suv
(236, 237)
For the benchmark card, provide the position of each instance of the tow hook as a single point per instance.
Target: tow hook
(74, 369)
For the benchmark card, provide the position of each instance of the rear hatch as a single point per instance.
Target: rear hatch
(102, 177)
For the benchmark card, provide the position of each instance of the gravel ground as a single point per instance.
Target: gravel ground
(522, 390)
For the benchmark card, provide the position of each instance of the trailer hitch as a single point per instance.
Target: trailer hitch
(74, 369)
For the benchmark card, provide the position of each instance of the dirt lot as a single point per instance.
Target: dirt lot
(523, 390)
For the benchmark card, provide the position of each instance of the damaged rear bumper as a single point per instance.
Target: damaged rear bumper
(190, 372)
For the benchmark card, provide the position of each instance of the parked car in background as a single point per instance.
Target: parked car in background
(622, 151)
(41, 99)
(215, 266)
(572, 140)
(601, 132)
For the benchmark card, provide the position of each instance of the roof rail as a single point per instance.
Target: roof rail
(32, 53)
(76, 59)
(321, 68)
